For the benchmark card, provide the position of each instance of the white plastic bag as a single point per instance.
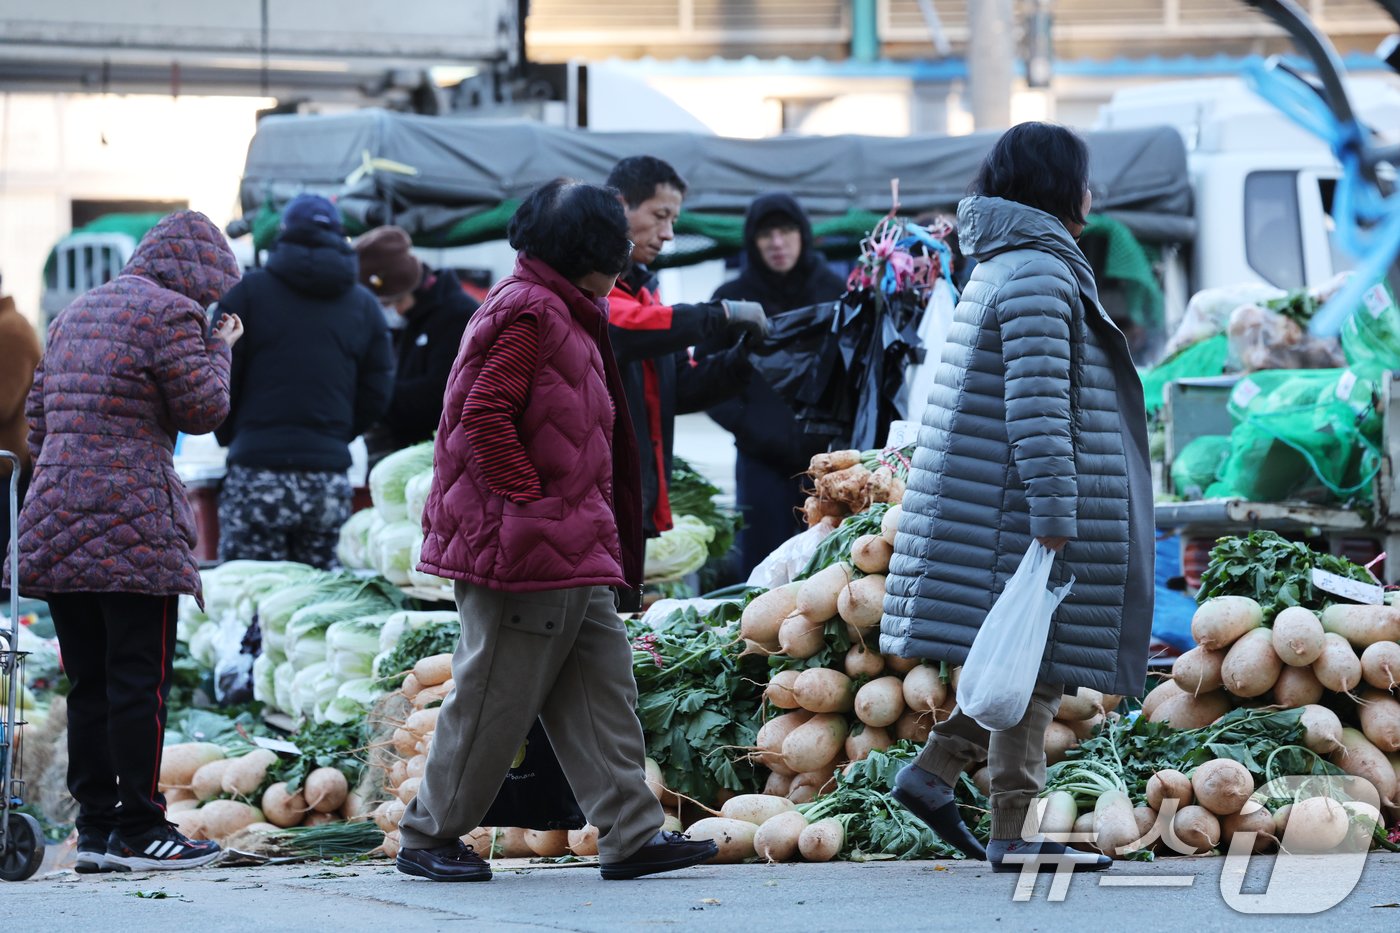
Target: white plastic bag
(790, 559)
(1000, 672)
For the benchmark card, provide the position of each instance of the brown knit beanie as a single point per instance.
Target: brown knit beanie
(387, 267)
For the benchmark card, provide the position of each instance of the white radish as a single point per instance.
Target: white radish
(823, 840)
(1253, 818)
(584, 842)
(1251, 666)
(1297, 636)
(1115, 826)
(1083, 703)
(1222, 786)
(779, 690)
(818, 595)
(1363, 625)
(1380, 665)
(1198, 671)
(1159, 695)
(1059, 739)
(864, 662)
(924, 691)
(1183, 711)
(1194, 830)
(914, 726)
(889, 525)
(1338, 667)
(208, 781)
(764, 616)
(880, 702)
(1359, 757)
(245, 775)
(1322, 730)
(1297, 687)
(777, 839)
(801, 636)
(861, 603)
(223, 818)
(178, 763)
(1219, 622)
(326, 789)
(871, 554)
(1316, 825)
(822, 690)
(388, 815)
(733, 837)
(548, 843)
(860, 744)
(771, 736)
(1380, 720)
(815, 742)
(282, 808)
(433, 670)
(754, 808)
(1169, 784)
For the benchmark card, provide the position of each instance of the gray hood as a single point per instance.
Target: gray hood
(988, 226)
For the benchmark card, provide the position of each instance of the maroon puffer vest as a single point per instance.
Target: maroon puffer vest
(587, 530)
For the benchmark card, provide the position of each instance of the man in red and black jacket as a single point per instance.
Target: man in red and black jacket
(652, 340)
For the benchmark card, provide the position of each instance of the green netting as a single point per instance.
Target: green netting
(1371, 335)
(1126, 262)
(1301, 434)
(1204, 358)
(1197, 467)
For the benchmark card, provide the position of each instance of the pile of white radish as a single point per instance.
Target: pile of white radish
(770, 828)
(1341, 666)
(1201, 813)
(833, 716)
(425, 688)
(209, 796)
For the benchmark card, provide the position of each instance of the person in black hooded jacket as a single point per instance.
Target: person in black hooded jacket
(315, 369)
(427, 311)
(782, 271)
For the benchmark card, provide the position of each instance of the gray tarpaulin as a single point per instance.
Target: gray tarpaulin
(465, 167)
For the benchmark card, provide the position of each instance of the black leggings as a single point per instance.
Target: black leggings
(118, 651)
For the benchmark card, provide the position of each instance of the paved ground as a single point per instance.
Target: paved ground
(848, 897)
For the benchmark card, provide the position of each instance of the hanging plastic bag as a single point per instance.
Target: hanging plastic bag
(1002, 668)
(933, 332)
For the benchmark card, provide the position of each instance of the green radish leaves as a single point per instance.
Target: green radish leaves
(1273, 571)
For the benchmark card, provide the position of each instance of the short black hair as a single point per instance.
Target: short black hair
(575, 228)
(638, 177)
(1040, 165)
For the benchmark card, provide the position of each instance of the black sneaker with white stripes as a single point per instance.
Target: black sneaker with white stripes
(162, 848)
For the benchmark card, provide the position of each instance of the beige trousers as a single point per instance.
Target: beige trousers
(561, 656)
(1015, 757)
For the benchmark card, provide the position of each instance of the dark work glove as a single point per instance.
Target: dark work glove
(747, 318)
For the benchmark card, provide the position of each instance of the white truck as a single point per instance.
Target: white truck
(1263, 185)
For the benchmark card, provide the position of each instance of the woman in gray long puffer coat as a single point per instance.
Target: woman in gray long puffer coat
(1035, 431)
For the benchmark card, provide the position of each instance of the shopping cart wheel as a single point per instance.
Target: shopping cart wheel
(24, 848)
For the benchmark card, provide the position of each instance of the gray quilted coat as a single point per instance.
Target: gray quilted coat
(1035, 428)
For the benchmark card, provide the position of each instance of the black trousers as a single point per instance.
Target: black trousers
(118, 651)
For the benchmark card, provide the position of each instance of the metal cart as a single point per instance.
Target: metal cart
(21, 840)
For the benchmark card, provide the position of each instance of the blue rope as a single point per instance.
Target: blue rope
(1368, 223)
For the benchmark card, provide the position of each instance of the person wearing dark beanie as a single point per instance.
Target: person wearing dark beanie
(313, 372)
(427, 311)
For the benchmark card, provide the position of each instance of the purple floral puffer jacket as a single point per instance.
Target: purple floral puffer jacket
(126, 367)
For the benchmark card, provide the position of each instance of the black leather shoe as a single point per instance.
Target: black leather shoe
(667, 851)
(454, 862)
(914, 788)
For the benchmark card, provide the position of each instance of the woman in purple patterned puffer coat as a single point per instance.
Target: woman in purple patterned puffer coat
(106, 534)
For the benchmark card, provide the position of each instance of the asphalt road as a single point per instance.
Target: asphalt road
(524, 898)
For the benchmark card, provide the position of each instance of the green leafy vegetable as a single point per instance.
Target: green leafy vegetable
(875, 824)
(1273, 571)
(323, 745)
(1126, 753)
(698, 700)
(691, 494)
(836, 546)
(413, 646)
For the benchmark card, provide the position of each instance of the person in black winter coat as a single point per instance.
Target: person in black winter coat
(313, 371)
(782, 271)
(427, 312)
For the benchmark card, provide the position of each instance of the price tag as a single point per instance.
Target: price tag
(902, 434)
(1345, 385)
(1367, 594)
(1244, 393)
(1376, 301)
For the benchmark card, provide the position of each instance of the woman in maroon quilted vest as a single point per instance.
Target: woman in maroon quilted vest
(106, 534)
(535, 513)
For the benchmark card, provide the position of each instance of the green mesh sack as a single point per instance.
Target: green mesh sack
(1302, 434)
(1197, 466)
(1203, 358)
(1371, 335)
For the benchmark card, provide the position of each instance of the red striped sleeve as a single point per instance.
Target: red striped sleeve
(494, 406)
